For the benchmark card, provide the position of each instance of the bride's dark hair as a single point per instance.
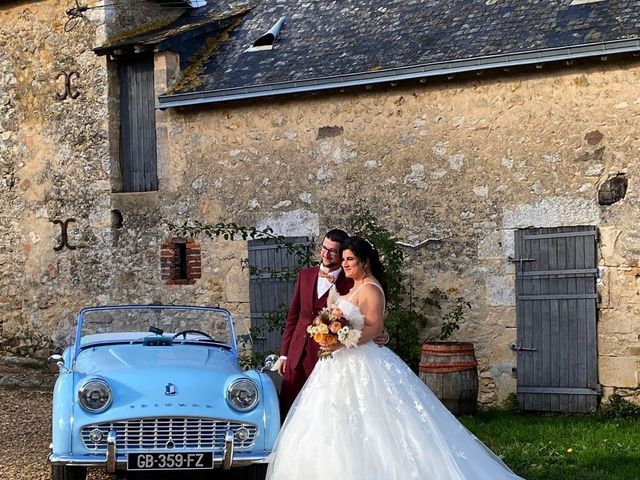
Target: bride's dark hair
(367, 254)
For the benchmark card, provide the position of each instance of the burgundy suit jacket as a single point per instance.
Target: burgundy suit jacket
(304, 308)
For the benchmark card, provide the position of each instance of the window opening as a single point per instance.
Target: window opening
(180, 261)
(266, 41)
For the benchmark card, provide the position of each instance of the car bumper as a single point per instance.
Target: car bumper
(240, 460)
(114, 460)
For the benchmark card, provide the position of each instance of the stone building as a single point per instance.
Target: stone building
(491, 137)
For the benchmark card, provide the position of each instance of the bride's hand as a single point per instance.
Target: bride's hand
(330, 347)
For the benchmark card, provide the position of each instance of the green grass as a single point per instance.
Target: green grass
(561, 447)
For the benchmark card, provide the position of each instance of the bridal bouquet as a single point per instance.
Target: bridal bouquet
(331, 327)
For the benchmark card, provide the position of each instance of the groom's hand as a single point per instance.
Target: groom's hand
(282, 368)
(382, 339)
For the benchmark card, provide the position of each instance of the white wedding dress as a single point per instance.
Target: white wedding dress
(364, 415)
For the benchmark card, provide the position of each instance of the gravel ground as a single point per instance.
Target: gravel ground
(25, 420)
(25, 427)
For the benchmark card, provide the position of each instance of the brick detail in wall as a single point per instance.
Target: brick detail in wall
(180, 261)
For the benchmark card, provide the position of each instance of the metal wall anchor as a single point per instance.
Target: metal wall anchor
(64, 239)
(75, 14)
(518, 347)
(69, 91)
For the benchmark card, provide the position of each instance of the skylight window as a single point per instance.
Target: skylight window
(266, 41)
(181, 3)
(582, 2)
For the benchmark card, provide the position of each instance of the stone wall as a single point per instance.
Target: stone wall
(54, 157)
(58, 162)
(458, 164)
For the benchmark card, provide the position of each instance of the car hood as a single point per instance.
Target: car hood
(138, 373)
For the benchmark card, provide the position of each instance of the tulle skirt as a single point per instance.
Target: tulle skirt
(364, 415)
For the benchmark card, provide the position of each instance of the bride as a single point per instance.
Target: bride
(364, 415)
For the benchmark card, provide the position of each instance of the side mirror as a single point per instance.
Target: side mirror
(269, 362)
(56, 363)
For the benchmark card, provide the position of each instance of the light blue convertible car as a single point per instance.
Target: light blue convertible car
(150, 388)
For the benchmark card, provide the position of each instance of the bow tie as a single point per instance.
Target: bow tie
(327, 276)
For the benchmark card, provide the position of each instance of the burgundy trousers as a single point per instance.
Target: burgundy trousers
(293, 381)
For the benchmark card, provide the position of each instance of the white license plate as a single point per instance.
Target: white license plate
(170, 461)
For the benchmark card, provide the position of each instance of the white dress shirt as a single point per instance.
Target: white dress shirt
(323, 284)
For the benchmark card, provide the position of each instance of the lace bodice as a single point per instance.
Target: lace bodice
(351, 312)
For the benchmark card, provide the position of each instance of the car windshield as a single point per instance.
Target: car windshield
(154, 325)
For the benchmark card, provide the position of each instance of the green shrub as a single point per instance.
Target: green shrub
(510, 403)
(619, 407)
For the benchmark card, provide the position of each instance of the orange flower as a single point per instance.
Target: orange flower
(335, 326)
(319, 337)
(329, 340)
(336, 311)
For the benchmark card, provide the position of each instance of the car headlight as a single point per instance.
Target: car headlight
(95, 395)
(242, 395)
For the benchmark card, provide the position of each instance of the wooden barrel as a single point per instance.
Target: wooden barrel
(449, 369)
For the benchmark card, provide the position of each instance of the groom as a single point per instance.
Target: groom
(298, 352)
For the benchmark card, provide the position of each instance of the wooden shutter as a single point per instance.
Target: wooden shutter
(138, 158)
(271, 285)
(556, 319)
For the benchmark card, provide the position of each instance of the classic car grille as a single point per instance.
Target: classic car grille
(167, 433)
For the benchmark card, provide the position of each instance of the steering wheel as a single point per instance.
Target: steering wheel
(184, 333)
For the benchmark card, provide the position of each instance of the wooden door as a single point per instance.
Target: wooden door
(556, 302)
(138, 157)
(271, 283)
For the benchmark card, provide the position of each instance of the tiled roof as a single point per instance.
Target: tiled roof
(325, 42)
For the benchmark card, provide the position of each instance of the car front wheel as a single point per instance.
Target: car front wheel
(256, 472)
(64, 472)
